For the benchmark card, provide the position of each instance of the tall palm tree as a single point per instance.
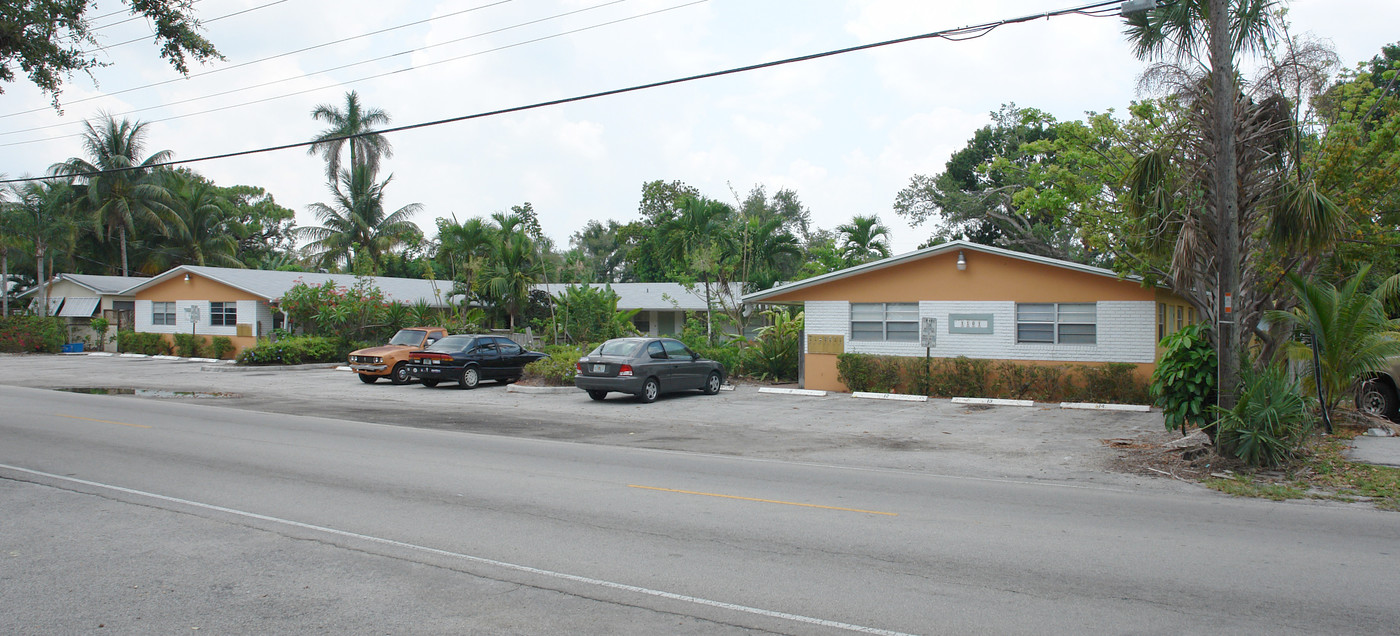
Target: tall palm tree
(773, 252)
(354, 224)
(123, 190)
(864, 239)
(42, 214)
(353, 128)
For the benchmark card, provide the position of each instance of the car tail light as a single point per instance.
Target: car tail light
(626, 370)
(578, 367)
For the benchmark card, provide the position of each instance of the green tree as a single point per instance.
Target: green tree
(51, 39)
(1354, 337)
(206, 236)
(41, 214)
(264, 230)
(351, 128)
(464, 249)
(123, 191)
(864, 239)
(513, 272)
(355, 225)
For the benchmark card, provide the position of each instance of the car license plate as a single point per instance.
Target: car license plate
(600, 368)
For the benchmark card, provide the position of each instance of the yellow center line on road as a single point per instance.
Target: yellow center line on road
(91, 419)
(774, 501)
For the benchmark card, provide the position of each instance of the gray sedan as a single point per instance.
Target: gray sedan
(646, 368)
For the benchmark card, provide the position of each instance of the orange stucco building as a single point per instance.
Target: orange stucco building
(966, 299)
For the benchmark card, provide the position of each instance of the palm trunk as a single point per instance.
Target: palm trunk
(1222, 61)
(5, 282)
(43, 309)
(121, 234)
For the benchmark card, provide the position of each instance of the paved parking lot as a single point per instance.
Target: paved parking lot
(1042, 442)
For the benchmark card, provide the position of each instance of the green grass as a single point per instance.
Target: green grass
(1322, 473)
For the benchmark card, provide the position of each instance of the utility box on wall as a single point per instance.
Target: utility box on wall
(244, 331)
(826, 344)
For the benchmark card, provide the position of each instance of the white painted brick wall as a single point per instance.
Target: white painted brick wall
(1126, 333)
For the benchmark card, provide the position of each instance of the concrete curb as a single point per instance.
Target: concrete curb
(776, 390)
(898, 397)
(1092, 406)
(516, 388)
(993, 401)
(229, 366)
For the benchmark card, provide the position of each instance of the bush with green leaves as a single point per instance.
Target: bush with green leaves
(861, 372)
(1271, 420)
(774, 353)
(220, 346)
(189, 345)
(322, 310)
(297, 350)
(1184, 382)
(590, 314)
(1111, 382)
(151, 344)
(556, 370)
(100, 326)
(974, 377)
(32, 334)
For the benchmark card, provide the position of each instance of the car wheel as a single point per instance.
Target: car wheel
(650, 390)
(597, 395)
(470, 378)
(430, 383)
(1375, 398)
(367, 378)
(400, 374)
(712, 383)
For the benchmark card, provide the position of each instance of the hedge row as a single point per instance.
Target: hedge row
(32, 334)
(967, 377)
(299, 350)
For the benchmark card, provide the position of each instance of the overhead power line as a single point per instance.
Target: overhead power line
(354, 64)
(147, 37)
(956, 35)
(264, 59)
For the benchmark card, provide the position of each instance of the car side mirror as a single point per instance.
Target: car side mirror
(694, 356)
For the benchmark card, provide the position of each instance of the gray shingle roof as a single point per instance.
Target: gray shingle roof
(650, 296)
(272, 285)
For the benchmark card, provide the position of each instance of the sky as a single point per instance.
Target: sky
(846, 133)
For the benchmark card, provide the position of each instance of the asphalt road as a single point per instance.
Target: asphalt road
(157, 516)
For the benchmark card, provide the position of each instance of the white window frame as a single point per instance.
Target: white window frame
(163, 318)
(903, 316)
(1064, 323)
(227, 311)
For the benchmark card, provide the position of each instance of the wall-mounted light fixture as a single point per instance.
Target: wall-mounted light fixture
(187, 276)
(962, 261)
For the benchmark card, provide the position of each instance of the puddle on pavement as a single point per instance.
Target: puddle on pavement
(151, 393)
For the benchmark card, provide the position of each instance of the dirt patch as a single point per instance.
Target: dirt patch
(1169, 454)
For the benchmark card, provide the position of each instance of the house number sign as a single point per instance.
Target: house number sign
(970, 323)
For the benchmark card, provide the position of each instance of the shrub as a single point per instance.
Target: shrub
(1270, 421)
(960, 377)
(151, 344)
(860, 372)
(1113, 382)
(99, 329)
(557, 369)
(774, 354)
(32, 334)
(296, 350)
(1184, 382)
(189, 345)
(220, 346)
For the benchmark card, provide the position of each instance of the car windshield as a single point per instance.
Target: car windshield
(450, 343)
(620, 348)
(410, 337)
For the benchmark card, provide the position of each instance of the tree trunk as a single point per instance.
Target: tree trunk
(1222, 62)
(121, 234)
(5, 281)
(43, 309)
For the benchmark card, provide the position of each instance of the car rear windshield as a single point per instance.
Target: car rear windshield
(621, 348)
(411, 337)
(450, 343)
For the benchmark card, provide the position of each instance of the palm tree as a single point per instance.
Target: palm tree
(42, 214)
(352, 127)
(355, 225)
(122, 189)
(864, 239)
(1354, 337)
(512, 274)
(465, 246)
(773, 252)
(206, 237)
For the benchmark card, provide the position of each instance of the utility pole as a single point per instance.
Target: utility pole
(1224, 92)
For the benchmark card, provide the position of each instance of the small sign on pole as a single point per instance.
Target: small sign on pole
(928, 332)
